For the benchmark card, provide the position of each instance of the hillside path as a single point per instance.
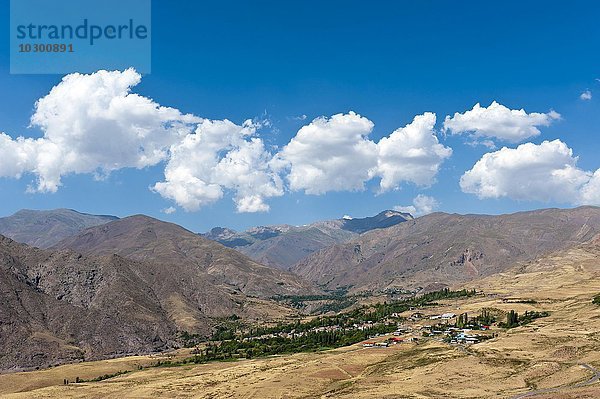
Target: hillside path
(595, 378)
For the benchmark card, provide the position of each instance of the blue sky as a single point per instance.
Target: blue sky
(387, 61)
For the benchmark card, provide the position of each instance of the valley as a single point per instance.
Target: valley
(548, 353)
(436, 340)
(283, 246)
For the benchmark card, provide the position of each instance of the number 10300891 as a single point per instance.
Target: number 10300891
(46, 48)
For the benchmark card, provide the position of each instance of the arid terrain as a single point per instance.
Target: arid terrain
(552, 357)
(449, 248)
(133, 286)
(284, 245)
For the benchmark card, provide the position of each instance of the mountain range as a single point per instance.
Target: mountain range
(131, 285)
(282, 246)
(135, 284)
(184, 256)
(447, 248)
(61, 306)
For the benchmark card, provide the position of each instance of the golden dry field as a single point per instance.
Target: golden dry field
(553, 357)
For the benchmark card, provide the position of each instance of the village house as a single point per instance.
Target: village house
(416, 316)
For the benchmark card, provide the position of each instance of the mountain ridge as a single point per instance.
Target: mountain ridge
(45, 228)
(284, 245)
(147, 239)
(449, 248)
(128, 286)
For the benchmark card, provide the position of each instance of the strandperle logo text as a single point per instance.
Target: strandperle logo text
(84, 31)
(66, 36)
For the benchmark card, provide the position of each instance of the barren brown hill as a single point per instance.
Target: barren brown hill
(139, 283)
(186, 259)
(45, 228)
(287, 248)
(447, 248)
(61, 306)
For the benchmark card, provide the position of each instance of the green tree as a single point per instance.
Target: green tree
(512, 319)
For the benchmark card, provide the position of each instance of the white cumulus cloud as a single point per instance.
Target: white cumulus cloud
(590, 192)
(586, 95)
(335, 154)
(498, 122)
(330, 154)
(530, 172)
(220, 155)
(17, 156)
(422, 205)
(411, 154)
(94, 124)
(170, 210)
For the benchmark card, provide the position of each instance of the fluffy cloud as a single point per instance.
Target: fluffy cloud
(590, 192)
(411, 153)
(335, 154)
(220, 155)
(330, 154)
(498, 122)
(170, 210)
(586, 95)
(17, 156)
(94, 124)
(422, 205)
(530, 172)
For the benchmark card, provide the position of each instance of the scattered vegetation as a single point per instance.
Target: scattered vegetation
(395, 291)
(514, 320)
(518, 300)
(361, 315)
(485, 318)
(232, 339)
(596, 300)
(335, 301)
(463, 320)
(274, 345)
(336, 306)
(321, 332)
(97, 379)
(190, 340)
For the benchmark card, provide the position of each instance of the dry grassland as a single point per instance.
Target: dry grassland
(546, 354)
